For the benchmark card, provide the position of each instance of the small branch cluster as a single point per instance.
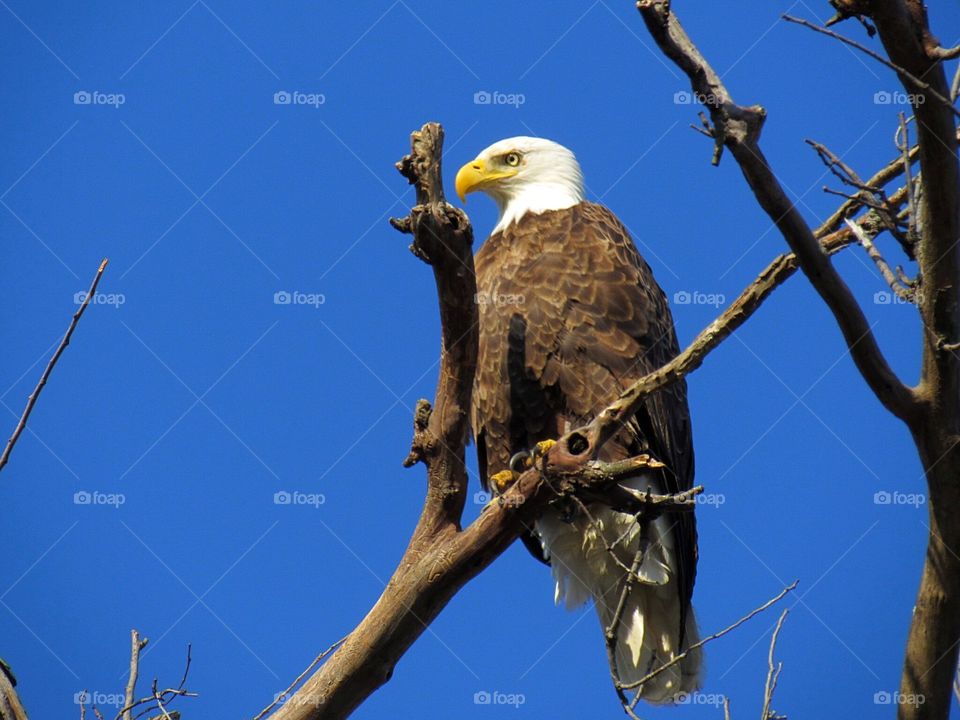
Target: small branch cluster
(158, 700)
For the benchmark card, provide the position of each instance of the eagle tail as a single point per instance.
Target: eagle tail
(648, 635)
(647, 639)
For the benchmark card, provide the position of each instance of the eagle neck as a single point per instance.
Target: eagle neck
(536, 199)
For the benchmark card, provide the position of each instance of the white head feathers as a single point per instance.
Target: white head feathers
(524, 174)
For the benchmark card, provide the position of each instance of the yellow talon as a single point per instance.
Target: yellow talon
(543, 447)
(503, 480)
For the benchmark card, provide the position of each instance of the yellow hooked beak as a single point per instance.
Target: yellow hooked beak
(475, 175)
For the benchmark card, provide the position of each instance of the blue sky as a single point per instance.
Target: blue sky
(193, 397)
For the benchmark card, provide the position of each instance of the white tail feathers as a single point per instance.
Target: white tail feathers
(647, 639)
(648, 634)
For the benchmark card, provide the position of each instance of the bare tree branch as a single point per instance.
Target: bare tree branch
(136, 645)
(773, 672)
(739, 129)
(283, 695)
(905, 293)
(917, 83)
(32, 400)
(10, 706)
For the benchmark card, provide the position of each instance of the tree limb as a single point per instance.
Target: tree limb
(739, 128)
(32, 400)
(10, 706)
(773, 671)
(915, 83)
(136, 645)
(932, 644)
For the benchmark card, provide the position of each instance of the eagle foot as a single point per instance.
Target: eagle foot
(502, 480)
(542, 448)
(526, 459)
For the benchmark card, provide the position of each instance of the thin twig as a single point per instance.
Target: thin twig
(756, 611)
(159, 700)
(32, 400)
(876, 56)
(902, 141)
(902, 292)
(942, 53)
(773, 671)
(611, 632)
(301, 676)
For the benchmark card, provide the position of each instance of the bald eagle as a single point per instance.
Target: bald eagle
(570, 316)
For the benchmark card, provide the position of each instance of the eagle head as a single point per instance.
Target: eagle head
(523, 174)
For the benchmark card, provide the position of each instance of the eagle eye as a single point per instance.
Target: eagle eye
(512, 159)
